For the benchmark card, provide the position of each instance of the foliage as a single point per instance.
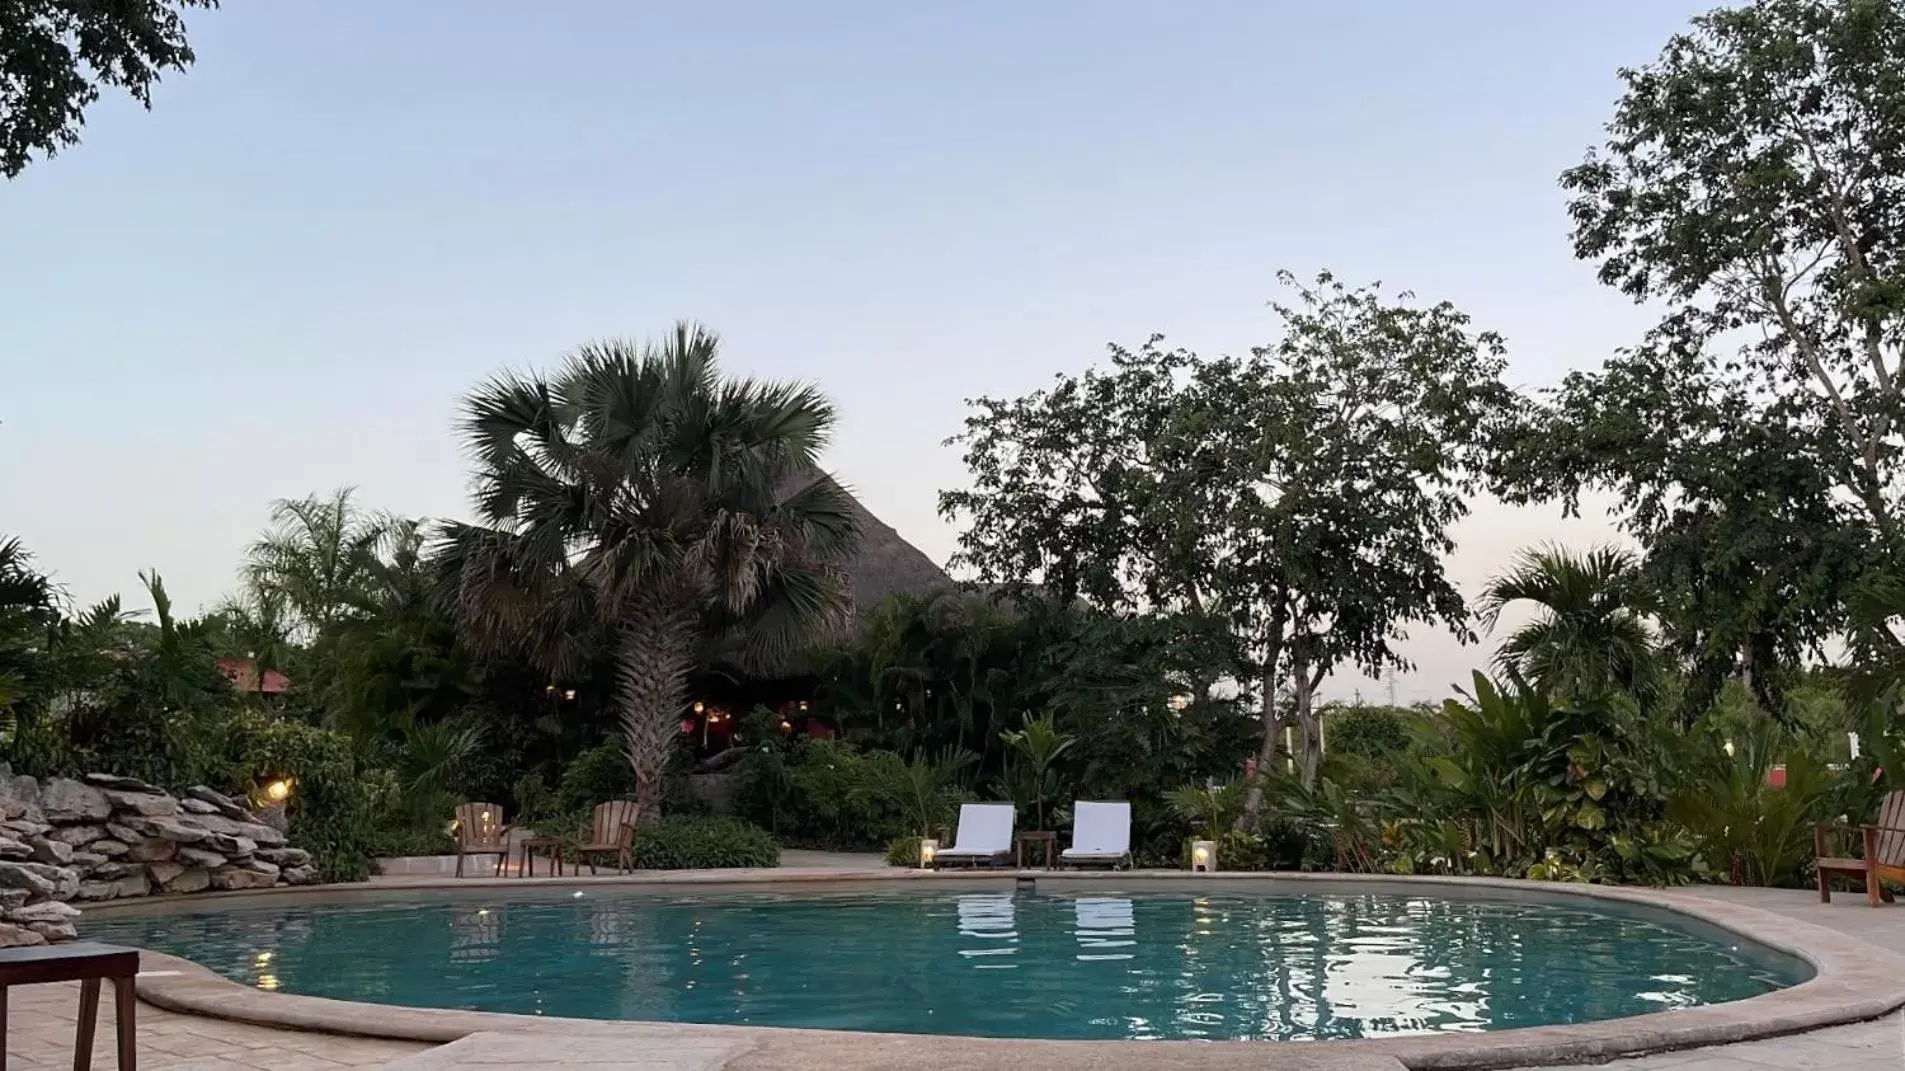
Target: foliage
(1746, 826)
(696, 843)
(1588, 638)
(926, 792)
(1212, 808)
(597, 775)
(903, 851)
(636, 498)
(1324, 471)
(333, 806)
(56, 54)
(1031, 778)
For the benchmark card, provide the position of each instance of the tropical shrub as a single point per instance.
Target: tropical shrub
(595, 776)
(903, 851)
(333, 805)
(700, 843)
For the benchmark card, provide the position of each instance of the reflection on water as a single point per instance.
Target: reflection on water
(990, 963)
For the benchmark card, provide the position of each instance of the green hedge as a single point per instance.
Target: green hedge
(695, 843)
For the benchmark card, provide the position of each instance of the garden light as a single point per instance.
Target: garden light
(928, 851)
(1203, 855)
(278, 791)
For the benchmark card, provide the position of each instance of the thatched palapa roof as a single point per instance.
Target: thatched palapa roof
(886, 564)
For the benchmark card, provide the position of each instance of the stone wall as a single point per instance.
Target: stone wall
(104, 837)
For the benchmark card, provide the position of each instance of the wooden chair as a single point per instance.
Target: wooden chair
(1883, 857)
(480, 831)
(613, 833)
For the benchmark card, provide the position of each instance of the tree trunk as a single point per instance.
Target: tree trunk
(1266, 751)
(653, 660)
(1309, 757)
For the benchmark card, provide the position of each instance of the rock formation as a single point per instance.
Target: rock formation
(105, 837)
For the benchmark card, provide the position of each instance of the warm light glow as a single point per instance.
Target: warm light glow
(264, 959)
(1729, 747)
(699, 706)
(278, 791)
(570, 694)
(550, 689)
(786, 726)
(928, 851)
(482, 912)
(1204, 855)
(267, 981)
(803, 704)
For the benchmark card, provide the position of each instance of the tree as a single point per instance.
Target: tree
(1750, 181)
(1754, 177)
(319, 559)
(636, 496)
(56, 54)
(1301, 497)
(1589, 638)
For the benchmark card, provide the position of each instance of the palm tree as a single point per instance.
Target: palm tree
(318, 557)
(1588, 636)
(636, 499)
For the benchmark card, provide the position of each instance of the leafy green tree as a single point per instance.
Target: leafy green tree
(1301, 497)
(1588, 639)
(1751, 183)
(635, 495)
(56, 54)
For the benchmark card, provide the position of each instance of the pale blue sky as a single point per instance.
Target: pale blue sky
(350, 211)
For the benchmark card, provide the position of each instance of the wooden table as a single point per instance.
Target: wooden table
(551, 846)
(1047, 841)
(87, 963)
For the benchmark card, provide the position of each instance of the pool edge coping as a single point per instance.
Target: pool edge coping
(1852, 982)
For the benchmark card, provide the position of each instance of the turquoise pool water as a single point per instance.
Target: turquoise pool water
(1143, 965)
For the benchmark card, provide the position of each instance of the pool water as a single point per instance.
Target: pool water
(995, 963)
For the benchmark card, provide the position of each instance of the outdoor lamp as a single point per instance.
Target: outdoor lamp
(1203, 855)
(928, 851)
(278, 791)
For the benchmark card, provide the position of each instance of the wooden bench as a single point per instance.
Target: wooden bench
(86, 963)
(1882, 858)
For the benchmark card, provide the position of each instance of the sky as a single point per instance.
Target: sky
(349, 212)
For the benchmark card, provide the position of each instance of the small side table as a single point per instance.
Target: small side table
(550, 846)
(87, 963)
(1046, 840)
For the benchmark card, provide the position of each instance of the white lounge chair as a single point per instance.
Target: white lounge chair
(1101, 835)
(984, 836)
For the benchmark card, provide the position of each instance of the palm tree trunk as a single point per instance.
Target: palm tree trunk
(653, 660)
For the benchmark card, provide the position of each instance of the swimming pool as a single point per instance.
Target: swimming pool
(1094, 964)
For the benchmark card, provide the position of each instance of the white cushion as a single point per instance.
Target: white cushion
(984, 829)
(1100, 829)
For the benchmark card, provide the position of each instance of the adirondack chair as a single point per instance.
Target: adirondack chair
(480, 830)
(1883, 857)
(613, 834)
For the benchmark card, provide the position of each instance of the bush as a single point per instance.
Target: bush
(331, 808)
(703, 844)
(595, 776)
(903, 851)
(821, 794)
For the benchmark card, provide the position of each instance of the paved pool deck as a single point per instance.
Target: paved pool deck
(42, 1020)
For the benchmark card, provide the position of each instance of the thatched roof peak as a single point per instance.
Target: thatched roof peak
(886, 563)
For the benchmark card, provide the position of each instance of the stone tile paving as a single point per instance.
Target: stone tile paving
(41, 1021)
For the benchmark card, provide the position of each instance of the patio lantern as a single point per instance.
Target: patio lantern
(1203, 855)
(279, 790)
(928, 851)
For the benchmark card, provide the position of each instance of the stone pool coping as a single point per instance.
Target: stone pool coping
(1854, 981)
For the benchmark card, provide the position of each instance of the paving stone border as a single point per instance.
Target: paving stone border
(1854, 982)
